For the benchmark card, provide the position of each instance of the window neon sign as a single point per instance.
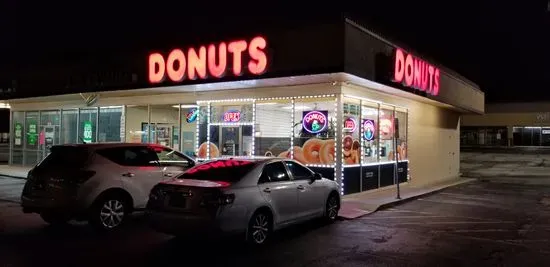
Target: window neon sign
(415, 73)
(350, 124)
(315, 121)
(232, 116)
(368, 129)
(192, 115)
(209, 61)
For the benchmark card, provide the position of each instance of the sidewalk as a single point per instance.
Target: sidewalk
(360, 204)
(14, 171)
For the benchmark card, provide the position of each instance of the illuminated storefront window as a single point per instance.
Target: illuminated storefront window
(305, 129)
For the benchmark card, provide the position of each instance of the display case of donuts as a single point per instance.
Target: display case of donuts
(314, 151)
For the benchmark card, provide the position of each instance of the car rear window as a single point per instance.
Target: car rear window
(220, 170)
(65, 157)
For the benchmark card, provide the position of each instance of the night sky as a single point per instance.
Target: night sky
(503, 47)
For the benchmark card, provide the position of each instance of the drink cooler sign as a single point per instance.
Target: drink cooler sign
(315, 121)
(368, 129)
(87, 138)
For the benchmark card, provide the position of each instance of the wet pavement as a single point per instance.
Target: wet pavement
(474, 224)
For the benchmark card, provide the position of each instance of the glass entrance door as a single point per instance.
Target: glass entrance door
(230, 140)
(49, 131)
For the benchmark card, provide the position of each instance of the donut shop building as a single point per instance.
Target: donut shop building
(333, 96)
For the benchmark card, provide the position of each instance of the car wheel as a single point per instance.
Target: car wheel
(109, 212)
(332, 208)
(55, 218)
(259, 228)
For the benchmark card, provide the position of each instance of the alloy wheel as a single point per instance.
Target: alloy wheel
(111, 213)
(260, 228)
(332, 208)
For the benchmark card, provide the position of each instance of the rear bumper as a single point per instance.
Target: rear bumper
(181, 224)
(39, 204)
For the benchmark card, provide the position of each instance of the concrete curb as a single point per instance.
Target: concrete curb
(505, 175)
(411, 198)
(404, 200)
(517, 180)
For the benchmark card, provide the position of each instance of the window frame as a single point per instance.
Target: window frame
(153, 163)
(189, 161)
(269, 182)
(294, 178)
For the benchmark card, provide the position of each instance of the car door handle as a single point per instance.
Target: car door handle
(128, 174)
(168, 174)
(301, 187)
(267, 190)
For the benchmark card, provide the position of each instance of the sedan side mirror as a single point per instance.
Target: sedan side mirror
(317, 176)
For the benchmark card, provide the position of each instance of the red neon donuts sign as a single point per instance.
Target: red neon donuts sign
(210, 61)
(415, 73)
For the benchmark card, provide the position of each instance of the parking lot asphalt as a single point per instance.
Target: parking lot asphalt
(474, 224)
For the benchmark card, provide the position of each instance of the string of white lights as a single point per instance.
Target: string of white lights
(321, 165)
(361, 139)
(208, 106)
(339, 119)
(225, 100)
(292, 129)
(232, 123)
(197, 137)
(294, 97)
(262, 99)
(374, 101)
(253, 152)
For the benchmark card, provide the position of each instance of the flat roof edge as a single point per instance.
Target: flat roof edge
(447, 71)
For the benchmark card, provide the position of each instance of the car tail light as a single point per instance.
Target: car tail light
(218, 200)
(227, 199)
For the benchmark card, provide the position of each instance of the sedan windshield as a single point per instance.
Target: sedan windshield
(220, 170)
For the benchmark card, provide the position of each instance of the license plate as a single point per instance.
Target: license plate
(177, 201)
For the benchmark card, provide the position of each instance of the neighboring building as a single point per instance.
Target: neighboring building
(508, 124)
(330, 94)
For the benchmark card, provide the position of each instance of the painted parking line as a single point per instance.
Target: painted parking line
(505, 242)
(472, 231)
(463, 202)
(464, 196)
(456, 222)
(434, 214)
(406, 217)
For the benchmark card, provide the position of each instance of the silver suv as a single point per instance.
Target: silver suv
(100, 183)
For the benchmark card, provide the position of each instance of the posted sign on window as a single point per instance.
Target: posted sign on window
(87, 132)
(18, 134)
(32, 134)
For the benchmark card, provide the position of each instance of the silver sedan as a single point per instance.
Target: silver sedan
(253, 197)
